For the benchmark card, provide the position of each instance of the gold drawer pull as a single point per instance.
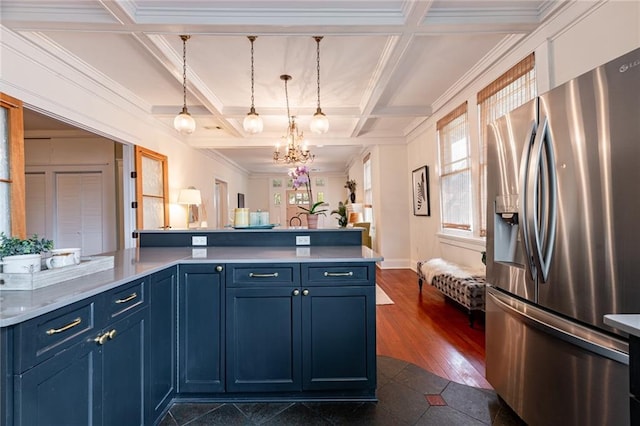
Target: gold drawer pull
(128, 298)
(338, 274)
(72, 324)
(255, 275)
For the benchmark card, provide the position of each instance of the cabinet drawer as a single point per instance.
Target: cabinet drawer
(43, 337)
(338, 273)
(125, 299)
(257, 274)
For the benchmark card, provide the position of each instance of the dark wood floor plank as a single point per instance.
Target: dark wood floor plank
(425, 329)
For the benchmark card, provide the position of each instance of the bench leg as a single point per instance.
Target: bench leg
(420, 284)
(471, 318)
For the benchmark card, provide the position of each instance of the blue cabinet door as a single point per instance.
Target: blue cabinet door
(263, 339)
(123, 367)
(162, 340)
(200, 329)
(339, 338)
(63, 390)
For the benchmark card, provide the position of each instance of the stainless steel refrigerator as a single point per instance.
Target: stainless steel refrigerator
(563, 248)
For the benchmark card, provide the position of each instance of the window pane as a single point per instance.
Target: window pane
(153, 211)
(152, 177)
(456, 200)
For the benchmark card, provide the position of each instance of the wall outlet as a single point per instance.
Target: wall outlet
(199, 240)
(199, 253)
(303, 240)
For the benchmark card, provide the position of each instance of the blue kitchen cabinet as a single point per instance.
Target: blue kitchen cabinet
(634, 379)
(83, 364)
(293, 328)
(163, 305)
(201, 329)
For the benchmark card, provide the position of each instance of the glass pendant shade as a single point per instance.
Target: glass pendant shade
(253, 122)
(184, 123)
(319, 123)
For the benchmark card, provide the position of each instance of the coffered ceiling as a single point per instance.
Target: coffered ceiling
(385, 66)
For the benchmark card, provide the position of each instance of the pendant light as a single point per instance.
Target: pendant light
(252, 122)
(183, 122)
(319, 122)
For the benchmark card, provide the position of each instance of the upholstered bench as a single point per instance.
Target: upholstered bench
(463, 285)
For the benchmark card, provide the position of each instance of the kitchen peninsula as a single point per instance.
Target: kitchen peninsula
(228, 321)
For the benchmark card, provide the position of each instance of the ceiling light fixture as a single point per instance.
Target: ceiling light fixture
(296, 150)
(252, 122)
(183, 122)
(319, 122)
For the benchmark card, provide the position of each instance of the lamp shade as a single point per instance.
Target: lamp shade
(319, 123)
(184, 123)
(253, 123)
(189, 196)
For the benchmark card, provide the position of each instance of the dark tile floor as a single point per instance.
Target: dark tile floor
(407, 395)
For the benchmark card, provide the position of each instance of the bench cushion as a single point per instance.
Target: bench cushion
(469, 292)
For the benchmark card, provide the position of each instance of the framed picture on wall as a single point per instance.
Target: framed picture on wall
(421, 202)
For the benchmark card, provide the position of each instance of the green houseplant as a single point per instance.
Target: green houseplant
(341, 211)
(22, 255)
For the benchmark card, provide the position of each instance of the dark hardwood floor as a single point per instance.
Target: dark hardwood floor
(424, 329)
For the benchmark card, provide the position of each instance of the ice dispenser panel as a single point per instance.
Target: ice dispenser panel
(508, 247)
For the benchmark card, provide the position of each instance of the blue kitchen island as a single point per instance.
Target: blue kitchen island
(214, 322)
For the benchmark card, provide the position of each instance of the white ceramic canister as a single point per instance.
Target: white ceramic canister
(241, 217)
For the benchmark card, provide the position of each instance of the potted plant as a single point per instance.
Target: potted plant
(351, 186)
(22, 255)
(341, 211)
(300, 176)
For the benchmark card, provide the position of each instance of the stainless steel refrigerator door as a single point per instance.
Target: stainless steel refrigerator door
(551, 371)
(594, 127)
(509, 142)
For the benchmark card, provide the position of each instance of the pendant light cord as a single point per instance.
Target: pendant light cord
(184, 71)
(252, 39)
(318, 38)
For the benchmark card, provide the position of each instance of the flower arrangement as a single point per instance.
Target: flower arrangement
(351, 185)
(300, 176)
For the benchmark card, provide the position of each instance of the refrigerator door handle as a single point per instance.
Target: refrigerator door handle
(525, 158)
(542, 189)
(576, 335)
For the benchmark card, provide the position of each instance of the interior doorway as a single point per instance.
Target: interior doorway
(221, 204)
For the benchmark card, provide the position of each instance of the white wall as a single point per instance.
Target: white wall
(581, 37)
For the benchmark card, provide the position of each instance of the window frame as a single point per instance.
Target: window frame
(15, 121)
(141, 152)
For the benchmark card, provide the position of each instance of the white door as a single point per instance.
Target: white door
(79, 211)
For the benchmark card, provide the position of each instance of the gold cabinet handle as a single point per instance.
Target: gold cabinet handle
(72, 324)
(219, 268)
(128, 298)
(111, 334)
(305, 292)
(338, 274)
(256, 275)
(102, 339)
(296, 292)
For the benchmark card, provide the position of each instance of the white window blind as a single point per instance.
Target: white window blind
(455, 170)
(515, 87)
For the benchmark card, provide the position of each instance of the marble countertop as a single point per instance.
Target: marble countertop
(629, 323)
(20, 305)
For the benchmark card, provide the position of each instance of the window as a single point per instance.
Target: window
(152, 193)
(12, 180)
(455, 170)
(515, 87)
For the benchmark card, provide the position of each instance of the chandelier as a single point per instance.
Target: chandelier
(184, 123)
(296, 150)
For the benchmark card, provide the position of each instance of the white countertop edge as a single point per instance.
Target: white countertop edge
(66, 293)
(629, 323)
